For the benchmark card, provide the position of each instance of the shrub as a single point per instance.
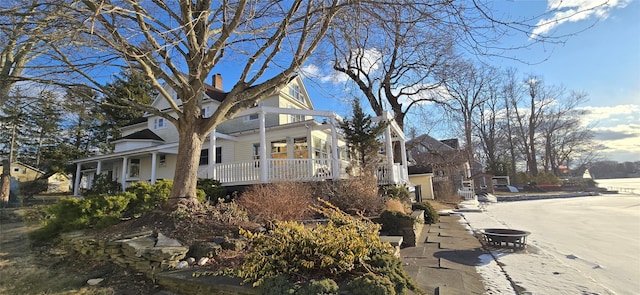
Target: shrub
(30, 188)
(393, 222)
(371, 284)
(398, 192)
(103, 185)
(342, 250)
(145, 197)
(70, 214)
(278, 201)
(395, 205)
(547, 178)
(358, 195)
(430, 214)
(213, 190)
(321, 287)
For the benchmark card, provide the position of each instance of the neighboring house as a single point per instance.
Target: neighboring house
(278, 139)
(57, 182)
(443, 161)
(23, 172)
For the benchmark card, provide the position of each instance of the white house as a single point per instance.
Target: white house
(283, 137)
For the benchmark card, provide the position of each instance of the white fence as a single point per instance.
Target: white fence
(467, 194)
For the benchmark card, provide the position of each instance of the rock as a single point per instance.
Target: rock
(202, 261)
(182, 264)
(191, 260)
(93, 282)
(204, 249)
(164, 241)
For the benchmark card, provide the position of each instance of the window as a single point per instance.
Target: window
(295, 118)
(253, 117)
(256, 154)
(159, 123)
(300, 148)
(204, 157)
(320, 150)
(16, 169)
(205, 112)
(294, 91)
(279, 149)
(134, 168)
(218, 154)
(163, 160)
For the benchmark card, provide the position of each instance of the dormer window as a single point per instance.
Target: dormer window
(205, 112)
(159, 123)
(294, 91)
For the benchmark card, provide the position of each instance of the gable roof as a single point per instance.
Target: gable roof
(142, 134)
(430, 143)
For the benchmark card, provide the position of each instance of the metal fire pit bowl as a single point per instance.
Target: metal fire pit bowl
(503, 237)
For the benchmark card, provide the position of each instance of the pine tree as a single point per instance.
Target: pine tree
(362, 135)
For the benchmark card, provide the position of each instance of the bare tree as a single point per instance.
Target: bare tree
(180, 43)
(465, 91)
(489, 122)
(27, 28)
(393, 53)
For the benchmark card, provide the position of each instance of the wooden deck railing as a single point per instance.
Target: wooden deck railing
(248, 172)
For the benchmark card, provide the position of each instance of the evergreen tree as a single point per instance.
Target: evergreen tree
(117, 108)
(361, 135)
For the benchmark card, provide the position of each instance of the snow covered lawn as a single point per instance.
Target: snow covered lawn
(586, 245)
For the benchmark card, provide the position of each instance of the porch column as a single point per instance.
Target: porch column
(123, 178)
(389, 150)
(99, 168)
(212, 153)
(335, 159)
(76, 181)
(405, 171)
(264, 177)
(154, 160)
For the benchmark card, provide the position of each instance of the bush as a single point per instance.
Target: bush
(70, 214)
(213, 190)
(398, 192)
(371, 284)
(100, 210)
(358, 195)
(278, 201)
(103, 185)
(430, 214)
(342, 250)
(395, 205)
(30, 188)
(393, 222)
(145, 197)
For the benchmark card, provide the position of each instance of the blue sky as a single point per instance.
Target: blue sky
(600, 58)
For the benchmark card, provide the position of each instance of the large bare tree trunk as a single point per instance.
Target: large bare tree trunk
(5, 183)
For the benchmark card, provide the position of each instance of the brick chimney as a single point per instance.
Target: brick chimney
(217, 81)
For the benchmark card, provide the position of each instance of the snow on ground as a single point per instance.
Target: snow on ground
(586, 245)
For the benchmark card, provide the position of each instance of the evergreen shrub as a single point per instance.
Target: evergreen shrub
(342, 250)
(393, 222)
(213, 190)
(430, 214)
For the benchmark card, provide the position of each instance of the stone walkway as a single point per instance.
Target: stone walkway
(444, 260)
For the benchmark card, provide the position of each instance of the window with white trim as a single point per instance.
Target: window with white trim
(159, 123)
(133, 170)
(294, 90)
(205, 112)
(295, 118)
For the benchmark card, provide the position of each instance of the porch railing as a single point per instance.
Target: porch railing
(249, 172)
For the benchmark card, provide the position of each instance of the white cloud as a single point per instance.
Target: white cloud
(573, 11)
(323, 76)
(620, 113)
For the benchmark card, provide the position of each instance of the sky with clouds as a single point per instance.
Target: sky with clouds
(601, 57)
